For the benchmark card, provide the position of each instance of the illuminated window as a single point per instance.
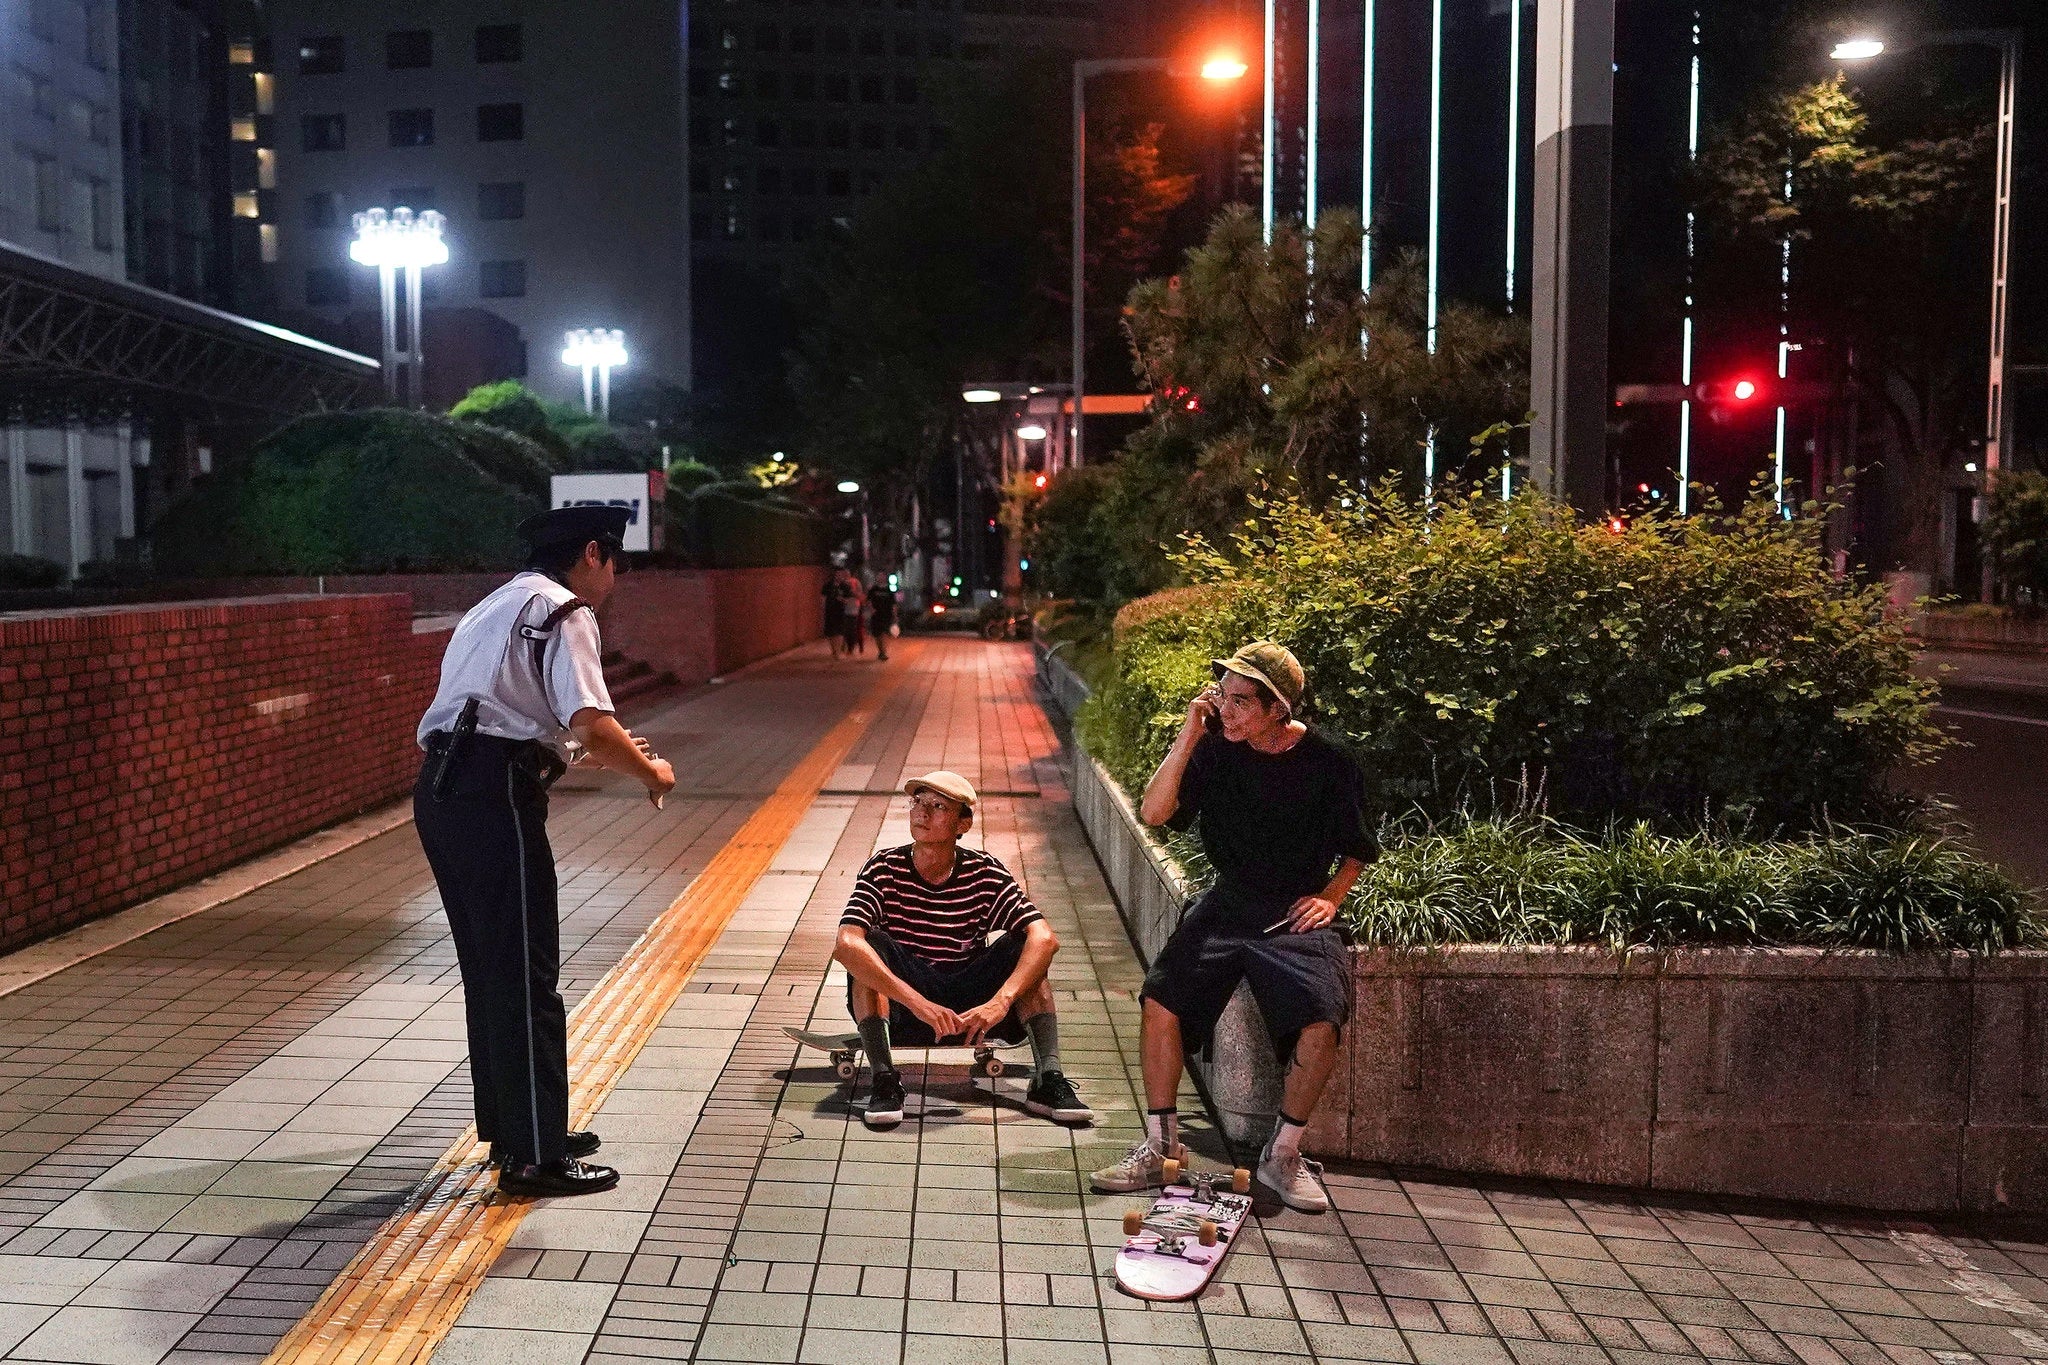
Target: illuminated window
(245, 204)
(242, 54)
(243, 130)
(266, 243)
(266, 92)
(266, 168)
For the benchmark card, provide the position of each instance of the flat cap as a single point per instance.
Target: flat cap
(564, 525)
(952, 786)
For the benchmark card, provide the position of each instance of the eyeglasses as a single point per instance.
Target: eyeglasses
(933, 805)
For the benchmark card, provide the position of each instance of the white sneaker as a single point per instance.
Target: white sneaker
(1141, 1168)
(1297, 1180)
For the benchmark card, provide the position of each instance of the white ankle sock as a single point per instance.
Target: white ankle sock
(1286, 1139)
(1162, 1127)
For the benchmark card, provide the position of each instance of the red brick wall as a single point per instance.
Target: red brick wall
(145, 747)
(760, 612)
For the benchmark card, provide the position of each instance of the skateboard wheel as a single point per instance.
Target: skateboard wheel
(845, 1070)
(1169, 1171)
(1240, 1181)
(1206, 1233)
(1134, 1222)
(993, 1067)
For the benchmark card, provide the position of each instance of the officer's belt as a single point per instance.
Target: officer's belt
(529, 756)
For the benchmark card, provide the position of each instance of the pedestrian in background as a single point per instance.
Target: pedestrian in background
(881, 616)
(850, 605)
(521, 680)
(835, 613)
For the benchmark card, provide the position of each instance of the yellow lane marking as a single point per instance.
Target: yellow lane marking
(395, 1301)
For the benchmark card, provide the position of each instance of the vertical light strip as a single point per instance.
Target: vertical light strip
(1784, 347)
(1692, 153)
(1514, 140)
(1365, 156)
(1315, 71)
(1266, 157)
(1436, 162)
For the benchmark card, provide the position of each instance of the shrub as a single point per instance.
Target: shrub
(30, 571)
(2016, 533)
(687, 475)
(572, 438)
(1679, 669)
(725, 528)
(359, 492)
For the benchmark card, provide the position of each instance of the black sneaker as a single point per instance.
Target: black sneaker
(1052, 1096)
(885, 1101)
(557, 1179)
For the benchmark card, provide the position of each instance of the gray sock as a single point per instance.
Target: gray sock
(1044, 1030)
(874, 1038)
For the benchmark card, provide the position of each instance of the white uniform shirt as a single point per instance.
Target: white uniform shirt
(489, 659)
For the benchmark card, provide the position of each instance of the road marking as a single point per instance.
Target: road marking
(400, 1295)
(1990, 715)
(1980, 1287)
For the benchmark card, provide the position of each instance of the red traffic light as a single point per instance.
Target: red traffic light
(1745, 389)
(1038, 481)
(1740, 390)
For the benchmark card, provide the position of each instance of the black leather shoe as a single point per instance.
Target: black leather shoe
(580, 1145)
(562, 1178)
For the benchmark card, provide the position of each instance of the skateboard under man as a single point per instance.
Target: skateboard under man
(1171, 1250)
(847, 1054)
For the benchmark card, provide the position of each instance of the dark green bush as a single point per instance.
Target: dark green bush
(687, 475)
(725, 528)
(30, 571)
(1708, 667)
(572, 438)
(359, 492)
(2016, 533)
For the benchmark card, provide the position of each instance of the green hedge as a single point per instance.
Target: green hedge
(30, 572)
(360, 492)
(727, 526)
(1496, 652)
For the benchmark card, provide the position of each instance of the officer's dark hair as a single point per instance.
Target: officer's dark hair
(558, 557)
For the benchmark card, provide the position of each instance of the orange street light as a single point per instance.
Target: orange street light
(1223, 69)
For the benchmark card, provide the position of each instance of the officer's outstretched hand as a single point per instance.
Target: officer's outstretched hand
(664, 781)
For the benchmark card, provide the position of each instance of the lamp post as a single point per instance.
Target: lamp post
(597, 350)
(394, 240)
(1215, 69)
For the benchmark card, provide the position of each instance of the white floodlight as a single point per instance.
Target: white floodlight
(981, 395)
(1858, 49)
(848, 486)
(1031, 431)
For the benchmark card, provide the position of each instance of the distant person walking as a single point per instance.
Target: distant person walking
(850, 605)
(881, 616)
(835, 613)
(522, 677)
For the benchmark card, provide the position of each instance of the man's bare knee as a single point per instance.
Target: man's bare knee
(867, 1002)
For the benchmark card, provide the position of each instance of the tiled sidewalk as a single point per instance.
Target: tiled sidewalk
(198, 1130)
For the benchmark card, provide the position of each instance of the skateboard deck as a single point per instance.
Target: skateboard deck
(847, 1054)
(1171, 1250)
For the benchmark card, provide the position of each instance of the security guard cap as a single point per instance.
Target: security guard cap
(576, 526)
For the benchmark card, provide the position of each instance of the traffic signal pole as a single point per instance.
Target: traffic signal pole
(1568, 302)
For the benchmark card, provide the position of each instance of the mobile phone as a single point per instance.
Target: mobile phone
(1212, 721)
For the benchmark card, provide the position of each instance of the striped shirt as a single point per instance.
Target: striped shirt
(945, 924)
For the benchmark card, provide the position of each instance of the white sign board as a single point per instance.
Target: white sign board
(630, 491)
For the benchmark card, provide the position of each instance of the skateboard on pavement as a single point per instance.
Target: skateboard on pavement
(1171, 1250)
(846, 1052)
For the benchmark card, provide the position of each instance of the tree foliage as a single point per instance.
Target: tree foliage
(574, 439)
(2016, 532)
(1879, 261)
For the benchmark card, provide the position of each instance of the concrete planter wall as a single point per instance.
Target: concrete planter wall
(1852, 1078)
(1959, 630)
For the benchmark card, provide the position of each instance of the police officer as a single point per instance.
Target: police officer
(521, 681)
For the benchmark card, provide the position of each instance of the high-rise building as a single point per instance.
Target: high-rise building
(175, 148)
(62, 141)
(549, 136)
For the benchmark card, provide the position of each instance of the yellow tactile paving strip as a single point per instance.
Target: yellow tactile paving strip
(401, 1294)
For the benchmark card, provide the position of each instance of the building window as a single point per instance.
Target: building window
(99, 37)
(700, 223)
(906, 138)
(803, 180)
(37, 92)
(768, 228)
(803, 38)
(242, 130)
(266, 168)
(768, 180)
(939, 138)
(322, 210)
(100, 204)
(410, 49)
(242, 53)
(418, 198)
(42, 19)
(767, 84)
(803, 133)
(700, 132)
(767, 38)
(501, 201)
(102, 131)
(800, 228)
(323, 133)
(700, 178)
(768, 133)
(266, 92)
(871, 91)
(835, 40)
(320, 57)
(938, 45)
(838, 135)
(906, 90)
(838, 182)
(326, 287)
(500, 122)
(412, 127)
(501, 279)
(871, 42)
(246, 204)
(266, 242)
(734, 180)
(803, 85)
(838, 88)
(872, 138)
(507, 43)
(906, 44)
(729, 84)
(729, 132)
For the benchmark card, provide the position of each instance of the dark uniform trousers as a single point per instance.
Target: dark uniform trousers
(487, 841)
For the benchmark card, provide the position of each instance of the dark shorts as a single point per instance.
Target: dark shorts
(1297, 979)
(957, 986)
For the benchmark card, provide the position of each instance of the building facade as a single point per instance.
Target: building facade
(550, 137)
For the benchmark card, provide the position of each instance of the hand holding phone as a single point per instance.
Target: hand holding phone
(1203, 710)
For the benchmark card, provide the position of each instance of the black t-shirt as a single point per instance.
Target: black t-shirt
(1275, 824)
(882, 603)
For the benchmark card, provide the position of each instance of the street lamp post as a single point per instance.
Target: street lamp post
(600, 351)
(1215, 69)
(394, 240)
(2006, 42)
(849, 486)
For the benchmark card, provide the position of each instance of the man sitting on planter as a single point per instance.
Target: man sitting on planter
(921, 968)
(1280, 806)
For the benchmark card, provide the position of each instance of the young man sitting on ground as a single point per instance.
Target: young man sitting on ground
(915, 936)
(1282, 814)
